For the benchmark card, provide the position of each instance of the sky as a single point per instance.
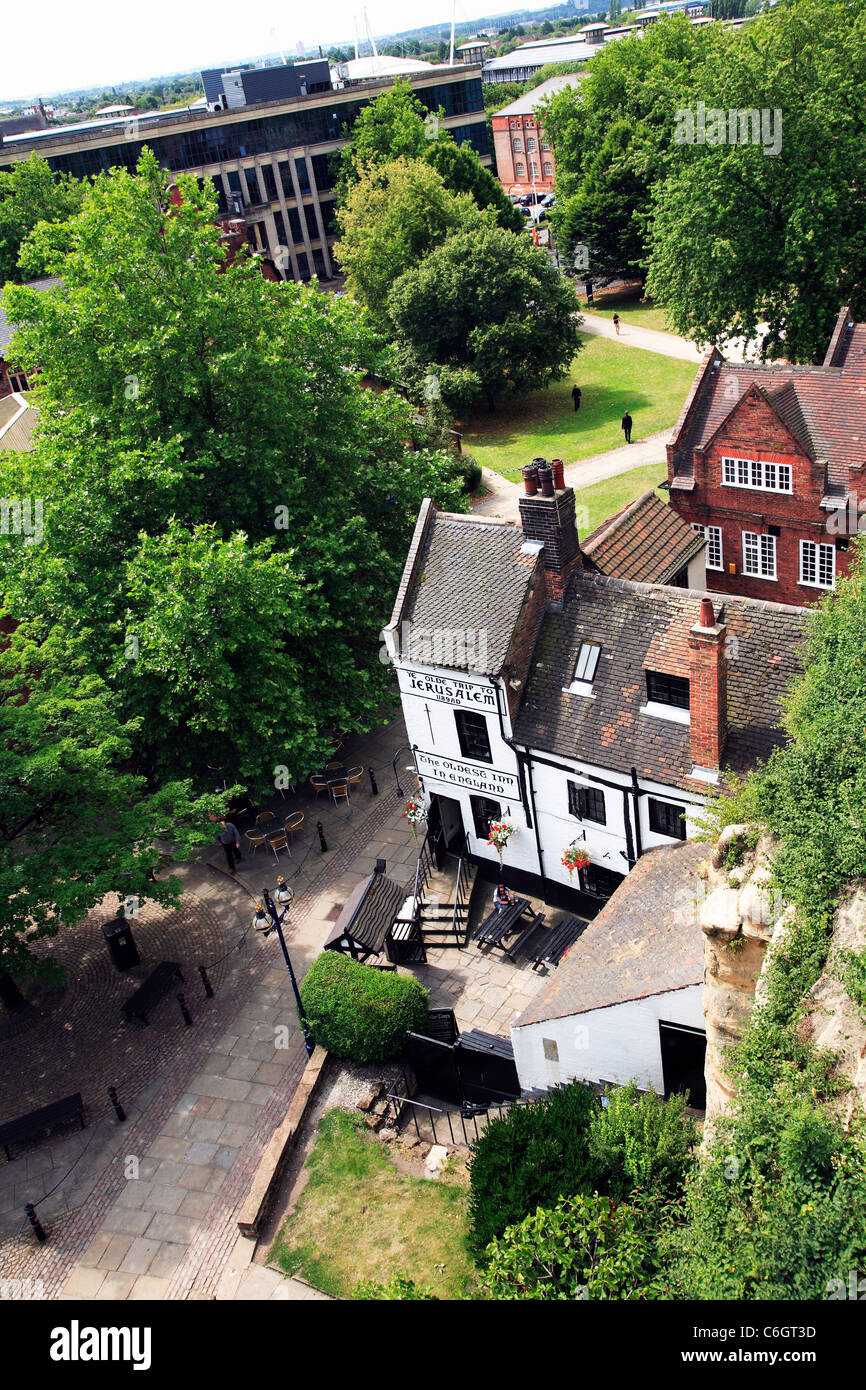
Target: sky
(60, 45)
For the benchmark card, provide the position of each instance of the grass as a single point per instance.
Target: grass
(631, 309)
(605, 499)
(359, 1218)
(613, 379)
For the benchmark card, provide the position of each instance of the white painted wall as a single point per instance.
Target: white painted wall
(617, 1044)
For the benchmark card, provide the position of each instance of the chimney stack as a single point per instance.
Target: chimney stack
(549, 517)
(708, 686)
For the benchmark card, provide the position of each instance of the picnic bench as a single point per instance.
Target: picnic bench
(553, 943)
(529, 931)
(501, 922)
(151, 990)
(41, 1121)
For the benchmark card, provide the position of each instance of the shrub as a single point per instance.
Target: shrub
(358, 1012)
(528, 1158)
(399, 1288)
(472, 477)
(642, 1141)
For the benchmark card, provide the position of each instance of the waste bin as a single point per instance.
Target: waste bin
(121, 945)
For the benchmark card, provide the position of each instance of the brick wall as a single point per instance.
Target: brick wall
(754, 431)
(524, 128)
(523, 640)
(708, 694)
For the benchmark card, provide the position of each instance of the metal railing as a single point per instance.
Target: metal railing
(458, 1127)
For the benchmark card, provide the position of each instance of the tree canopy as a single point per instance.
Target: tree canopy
(30, 193)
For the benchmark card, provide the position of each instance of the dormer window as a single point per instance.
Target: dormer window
(584, 668)
(667, 697)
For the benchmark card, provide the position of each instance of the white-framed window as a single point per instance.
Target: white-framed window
(548, 169)
(759, 555)
(518, 145)
(519, 169)
(530, 145)
(587, 661)
(757, 475)
(713, 537)
(818, 564)
(545, 145)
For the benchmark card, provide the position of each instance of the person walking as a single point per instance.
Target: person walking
(231, 843)
(616, 323)
(576, 394)
(626, 423)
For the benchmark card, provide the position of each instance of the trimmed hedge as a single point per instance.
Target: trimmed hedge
(358, 1012)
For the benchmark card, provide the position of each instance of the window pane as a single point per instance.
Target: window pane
(743, 472)
(768, 557)
(826, 565)
(714, 547)
(807, 562)
(666, 819)
(770, 476)
(784, 477)
(667, 690)
(755, 474)
(587, 660)
(473, 736)
(729, 474)
(750, 552)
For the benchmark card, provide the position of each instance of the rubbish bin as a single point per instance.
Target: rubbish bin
(121, 945)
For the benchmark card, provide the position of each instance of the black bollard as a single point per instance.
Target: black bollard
(208, 987)
(35, 1222)
(187, 1016)
(373, 787)
(322, 841)
(118, 1108)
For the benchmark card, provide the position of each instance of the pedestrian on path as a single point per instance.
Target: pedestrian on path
(576, 394)
(231, 843)
(626, 423)
(616, 323)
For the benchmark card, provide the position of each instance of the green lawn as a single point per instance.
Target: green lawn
(605, 499)
(613, 379)
(359, 1218)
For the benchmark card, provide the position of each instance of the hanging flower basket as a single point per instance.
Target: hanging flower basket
(414, 813)
(499, 835)
(575, 858)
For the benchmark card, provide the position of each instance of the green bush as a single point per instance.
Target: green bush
(641, 1141)
(472, 476)
(528, 1158)
(358, 1012)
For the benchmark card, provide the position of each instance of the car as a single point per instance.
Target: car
(529, 199)
(548, 200)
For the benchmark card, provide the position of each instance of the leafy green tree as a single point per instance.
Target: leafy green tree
(391, 219)
(583, 1248)
(30, 193)
(640, 1141)
(492, 312)
(178, 396)
(76, 823)
(748, 234)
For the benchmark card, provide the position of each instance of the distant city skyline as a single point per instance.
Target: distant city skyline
(100, 43)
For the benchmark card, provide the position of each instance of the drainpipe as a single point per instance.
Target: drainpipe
(636, 793)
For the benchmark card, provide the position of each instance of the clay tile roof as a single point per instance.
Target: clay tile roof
(647, 541)
(646, 940)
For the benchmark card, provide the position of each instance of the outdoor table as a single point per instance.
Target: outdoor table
(501, 922)
(335, 774)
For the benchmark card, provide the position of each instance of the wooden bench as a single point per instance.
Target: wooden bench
(516, 946)
(501, 923)
(41, 1121)
(553, 944)
(151, 990)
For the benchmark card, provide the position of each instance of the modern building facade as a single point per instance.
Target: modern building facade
(270, 160)
(524, 157)
(767, 461)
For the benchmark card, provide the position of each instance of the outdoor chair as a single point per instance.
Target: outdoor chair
(265, 818)
(255, 838)
(340, 792)
(330, 766)
(319, 785)
(293, 823)
(354, 776)
(279, 842)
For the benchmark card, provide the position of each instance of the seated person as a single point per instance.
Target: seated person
(503, 897)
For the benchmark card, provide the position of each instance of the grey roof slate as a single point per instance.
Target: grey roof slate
(646, 940)
(640, 625)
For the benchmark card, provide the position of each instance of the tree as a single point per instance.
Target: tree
(178, 396)
(30, 193)
(605, 215)
(391, 219)
(396, 125)
(491, 312)
(745, 234)
(76, 824)
(640, 1141)
(583, 1248)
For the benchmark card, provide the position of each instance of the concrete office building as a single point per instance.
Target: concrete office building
(268, 156)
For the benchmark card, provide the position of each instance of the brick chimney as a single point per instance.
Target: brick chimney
(708, 682)
(547, 515)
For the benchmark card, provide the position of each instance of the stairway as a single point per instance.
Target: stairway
(440, 924)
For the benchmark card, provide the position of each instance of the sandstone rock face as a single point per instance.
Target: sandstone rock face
(832, 1019)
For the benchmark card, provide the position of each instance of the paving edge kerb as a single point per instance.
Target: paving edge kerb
(270, 1170)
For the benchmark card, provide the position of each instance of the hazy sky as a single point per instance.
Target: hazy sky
(59, 45)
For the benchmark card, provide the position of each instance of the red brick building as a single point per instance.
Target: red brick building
(767, 461)
(524, 158)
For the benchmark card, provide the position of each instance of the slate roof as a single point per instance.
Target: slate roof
(470, 578)
(823, 407)
(646, 940)
(643, 626)
(647, 541)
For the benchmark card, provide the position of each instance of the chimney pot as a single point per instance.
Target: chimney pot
(707, 618)
(558, 474)
(530, 480)
(545, 479)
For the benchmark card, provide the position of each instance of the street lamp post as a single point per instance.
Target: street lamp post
(284, 896)
(404, 748)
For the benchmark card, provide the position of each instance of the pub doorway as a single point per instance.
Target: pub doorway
(445, 827)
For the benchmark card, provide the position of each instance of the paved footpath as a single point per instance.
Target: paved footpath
(654, 340)
(160, 1221)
